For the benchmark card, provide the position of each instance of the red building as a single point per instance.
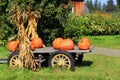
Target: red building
(78, 6)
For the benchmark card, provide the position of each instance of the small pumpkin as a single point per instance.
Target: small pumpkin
(37, 42)
(66, 44)
(84, 44)
(56, 42)
(13, 45)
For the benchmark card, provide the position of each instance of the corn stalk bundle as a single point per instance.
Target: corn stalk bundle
(24, 36)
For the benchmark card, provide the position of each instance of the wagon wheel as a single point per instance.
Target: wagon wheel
(13, 60)
(61, 60)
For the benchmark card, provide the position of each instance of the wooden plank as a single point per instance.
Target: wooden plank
(45, 50)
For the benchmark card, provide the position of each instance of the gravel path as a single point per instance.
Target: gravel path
(106, 51)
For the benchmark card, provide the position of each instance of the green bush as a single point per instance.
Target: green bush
(91, 24)
(6, 29)
(76, 26)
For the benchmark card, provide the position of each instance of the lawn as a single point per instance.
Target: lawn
(3, 52)
(93, 67)
(107, 41)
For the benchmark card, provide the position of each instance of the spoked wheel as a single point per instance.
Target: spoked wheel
(61, 60)
(13, 60)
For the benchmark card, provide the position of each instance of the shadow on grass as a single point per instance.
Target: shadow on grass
(84, 63)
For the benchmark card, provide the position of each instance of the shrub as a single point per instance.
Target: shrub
(6, 29)
(91, 24)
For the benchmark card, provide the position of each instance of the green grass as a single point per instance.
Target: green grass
(93, 67)
(3, 52)
(107, 41)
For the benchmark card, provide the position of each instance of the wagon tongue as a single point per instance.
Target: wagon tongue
(3, 61)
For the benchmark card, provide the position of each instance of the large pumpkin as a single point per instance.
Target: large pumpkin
(56, 42)
(37, 42)
(84, 44)
(13, 45)
(66, 44)
(85, 39)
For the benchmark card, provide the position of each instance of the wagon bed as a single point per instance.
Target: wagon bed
(51, 50)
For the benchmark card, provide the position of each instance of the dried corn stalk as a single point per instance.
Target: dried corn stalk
(32, 25)
(26, 56)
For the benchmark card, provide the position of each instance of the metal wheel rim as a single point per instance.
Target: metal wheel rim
(61, 60)
(14, 62)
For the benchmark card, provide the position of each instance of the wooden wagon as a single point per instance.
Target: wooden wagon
(53, 57)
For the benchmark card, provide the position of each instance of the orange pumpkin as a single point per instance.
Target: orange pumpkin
(17, 42)
(85, 39)
(32, 46)
(84, 44)
(56, 42)
(13, 45)
(66, 44)
(37, 42)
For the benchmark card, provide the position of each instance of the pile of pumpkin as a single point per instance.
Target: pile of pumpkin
(68, 44)
(58, 43)
(34, 43)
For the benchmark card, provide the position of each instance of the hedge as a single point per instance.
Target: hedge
(91, 24)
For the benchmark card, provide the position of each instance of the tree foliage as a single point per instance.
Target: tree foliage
(110, 7)
(97, 6)
(51, 20)
(118, 4)
(94, 6)
(6, 29)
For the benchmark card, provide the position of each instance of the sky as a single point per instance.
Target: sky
(104, 1)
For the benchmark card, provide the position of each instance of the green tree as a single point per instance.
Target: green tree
(118, 4)
(52, 16)
(6, 29)
(93, 7)
(103, 7)
(110, 7)
(99, 6)
(89, 4)
(96, 5)
(53, 19)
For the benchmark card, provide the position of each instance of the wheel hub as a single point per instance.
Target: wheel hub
(61, 62)
(18, 63)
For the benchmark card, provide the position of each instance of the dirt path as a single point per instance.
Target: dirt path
(106, 51)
